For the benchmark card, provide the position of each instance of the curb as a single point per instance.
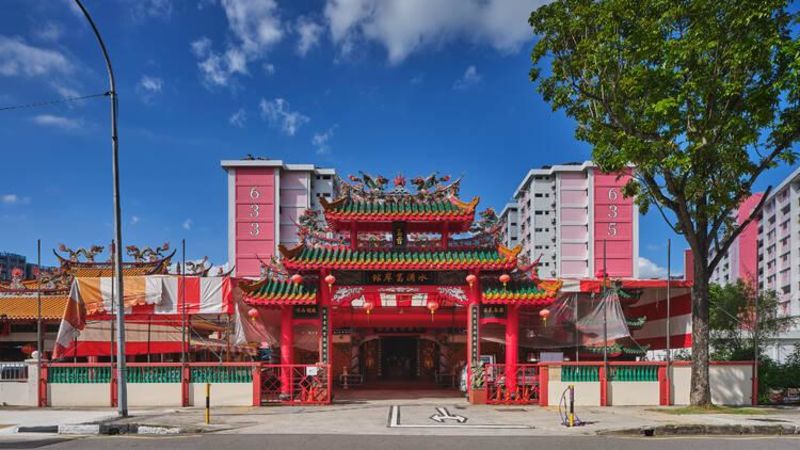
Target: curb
(86, 429)
(701, 429)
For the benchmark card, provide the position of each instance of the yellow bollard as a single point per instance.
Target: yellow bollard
(208, 403)
(571, 415)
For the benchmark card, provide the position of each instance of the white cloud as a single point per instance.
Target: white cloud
(277, 113)
(255, 28)
(19, 58)
(239, 118)
(322, 141)
(14, 199)
(149, 87)
(64, 91)
(404, 27)
(310, 33)
(151, 84)
(49, 31)
(417, 79)
(269, 69)
(65, 123)
(135, 220)
(187, 224)
(155, 9)
(471, 77)
(649, 269)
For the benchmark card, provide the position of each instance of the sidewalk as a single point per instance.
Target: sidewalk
(428, 416)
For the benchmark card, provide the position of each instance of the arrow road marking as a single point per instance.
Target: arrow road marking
(443, 414)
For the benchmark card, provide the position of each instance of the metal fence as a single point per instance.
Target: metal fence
(520, 387)
(13, 371)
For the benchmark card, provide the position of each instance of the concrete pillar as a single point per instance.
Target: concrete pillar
(287, 349)
(512, 347)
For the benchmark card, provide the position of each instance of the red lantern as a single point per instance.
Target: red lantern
(544, 314)
(471, 279)
(253, 313)
(505, 278)
(433, 305)
(330, 279)
(297, 278)
(368, 305)
(599, 274)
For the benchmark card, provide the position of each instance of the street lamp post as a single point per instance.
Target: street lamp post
(122, 392)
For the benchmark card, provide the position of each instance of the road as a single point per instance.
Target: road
(347, 442)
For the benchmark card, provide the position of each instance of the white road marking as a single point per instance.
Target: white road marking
(394, 422)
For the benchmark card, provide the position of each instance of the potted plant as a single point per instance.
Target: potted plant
(477, 391)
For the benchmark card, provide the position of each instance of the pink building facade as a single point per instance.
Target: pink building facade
(577, 219)
(265, 201)
(741, 259)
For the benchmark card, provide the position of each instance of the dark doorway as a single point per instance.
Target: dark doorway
(399, 357)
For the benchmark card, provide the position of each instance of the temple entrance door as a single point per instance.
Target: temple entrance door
(399, 357)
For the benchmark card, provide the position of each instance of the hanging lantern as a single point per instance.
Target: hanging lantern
(433, 305)
(505, 278)
(330, 279)
(296, 278)
(544, 314)
(471, 279)
(368, 305)
(253, 314)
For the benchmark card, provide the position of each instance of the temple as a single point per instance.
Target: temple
(408, 285)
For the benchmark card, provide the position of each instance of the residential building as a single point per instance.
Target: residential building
(576, 218)
(778, 253)
(741, 259)
(509, 231)
(265, 201)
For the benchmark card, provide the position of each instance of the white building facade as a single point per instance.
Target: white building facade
(779, 256)
(576, 218)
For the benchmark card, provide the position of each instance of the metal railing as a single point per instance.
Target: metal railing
(13, 371)
(299, 384)
(520, 387)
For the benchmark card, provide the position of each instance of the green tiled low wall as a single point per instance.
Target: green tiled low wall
(634, 373)
(75, 375)
(222, 374)
(580, 373)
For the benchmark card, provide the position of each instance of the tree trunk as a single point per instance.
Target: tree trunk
(700, 394)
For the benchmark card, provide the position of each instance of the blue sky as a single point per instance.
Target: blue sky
(410, 86)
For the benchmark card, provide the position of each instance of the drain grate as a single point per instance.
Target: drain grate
(510, 409)
(771, 420)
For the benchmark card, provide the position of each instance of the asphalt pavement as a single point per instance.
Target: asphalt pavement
(351, 442)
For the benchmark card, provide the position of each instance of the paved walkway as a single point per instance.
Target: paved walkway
(421, 416)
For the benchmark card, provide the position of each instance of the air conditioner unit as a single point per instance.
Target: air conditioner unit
(553, 238)
(553, 204)
(553, 273)
(553, 220)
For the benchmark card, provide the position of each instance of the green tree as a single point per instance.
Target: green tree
(702, 96)
(734, 319)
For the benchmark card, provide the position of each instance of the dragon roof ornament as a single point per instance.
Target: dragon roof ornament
(366, 187)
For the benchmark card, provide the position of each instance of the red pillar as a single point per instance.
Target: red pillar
(512, 347)
(287, 349)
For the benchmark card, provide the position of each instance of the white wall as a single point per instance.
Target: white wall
(222, 394)
(633, 393)
(79, 394)
(731, 385)
(17, 393)
(154, 394)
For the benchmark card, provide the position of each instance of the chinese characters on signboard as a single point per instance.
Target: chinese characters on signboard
(399, 277)
(493, 311)
(306, 312)
(399, 235)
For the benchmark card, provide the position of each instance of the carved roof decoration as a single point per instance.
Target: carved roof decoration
(81, 262)
(539, 293)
